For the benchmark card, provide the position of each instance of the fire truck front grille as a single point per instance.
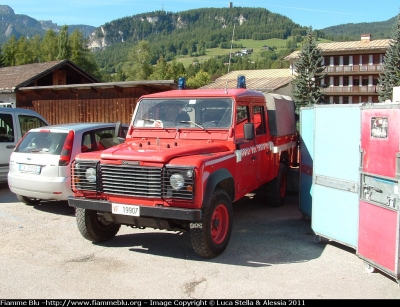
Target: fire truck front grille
(131, 180)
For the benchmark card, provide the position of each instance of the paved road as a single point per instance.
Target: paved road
(272, 254)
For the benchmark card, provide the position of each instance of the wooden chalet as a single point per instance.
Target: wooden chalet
(64, 93)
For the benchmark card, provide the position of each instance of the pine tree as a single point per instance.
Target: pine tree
(49, 48)
(307, 84)
(64, 49)
(81, 55)
(10, 49)
(390, 75)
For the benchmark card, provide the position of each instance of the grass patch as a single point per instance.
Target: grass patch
(257, 46)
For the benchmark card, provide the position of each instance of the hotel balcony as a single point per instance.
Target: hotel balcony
(353, 68)
(373, 89)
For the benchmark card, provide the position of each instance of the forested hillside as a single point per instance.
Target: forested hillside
(188, 33)
(353, 31)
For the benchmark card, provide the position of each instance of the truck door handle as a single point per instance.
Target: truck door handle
(10, 146)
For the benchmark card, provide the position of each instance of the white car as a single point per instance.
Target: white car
(40, 164)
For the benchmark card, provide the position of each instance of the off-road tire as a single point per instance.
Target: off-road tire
(92, 228)
(27, 200)
(277, 188)
(210, 237)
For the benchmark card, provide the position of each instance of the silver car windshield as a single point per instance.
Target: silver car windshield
(197, 113)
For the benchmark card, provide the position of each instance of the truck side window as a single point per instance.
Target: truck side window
(259, 119)
(242, 117)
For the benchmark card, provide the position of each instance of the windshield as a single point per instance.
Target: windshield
(190, 113)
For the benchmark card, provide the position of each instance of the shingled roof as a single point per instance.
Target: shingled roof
(365, 44)
(264, 80)
(14, 77)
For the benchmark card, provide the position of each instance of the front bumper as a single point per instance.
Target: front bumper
(169, 213)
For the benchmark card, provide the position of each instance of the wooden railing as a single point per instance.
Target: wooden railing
(351, 89)
(354, 68)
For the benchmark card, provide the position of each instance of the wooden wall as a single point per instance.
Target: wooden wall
(83, 105)
(91, 110)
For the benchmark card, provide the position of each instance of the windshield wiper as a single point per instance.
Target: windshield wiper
(157, 121)
(190, 122)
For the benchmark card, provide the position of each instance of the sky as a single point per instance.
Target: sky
(317, 14)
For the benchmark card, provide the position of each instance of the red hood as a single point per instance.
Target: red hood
(162, 153)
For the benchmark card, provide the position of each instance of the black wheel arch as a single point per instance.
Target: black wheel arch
(222, 179)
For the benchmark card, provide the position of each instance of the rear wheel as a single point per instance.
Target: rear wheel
(210, 237)
(28, 200)
(277, 187)
(93, 228)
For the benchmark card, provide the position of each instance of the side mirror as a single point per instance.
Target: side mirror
(119, 133)
(249, 131)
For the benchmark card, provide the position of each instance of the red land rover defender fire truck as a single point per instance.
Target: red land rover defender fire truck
(188, 155)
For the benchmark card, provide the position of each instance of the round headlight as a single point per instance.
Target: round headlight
(90, 174)
(177, 181)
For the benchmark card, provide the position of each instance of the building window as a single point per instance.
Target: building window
(365, 81)
(375, 81)
(345, 99)
(376, 59)
(336, 81)
(356, 81)
(346, 60)
(336, 60)
(345, 80)
(336, 99)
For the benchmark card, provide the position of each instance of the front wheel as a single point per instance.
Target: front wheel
(210, 237)
(93, 228)
(277, 187)
(28, 201)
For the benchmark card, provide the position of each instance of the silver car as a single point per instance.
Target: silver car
(40, 164)
(14, 123)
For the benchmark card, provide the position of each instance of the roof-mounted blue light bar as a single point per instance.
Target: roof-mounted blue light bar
(241, 82)
(181, 83)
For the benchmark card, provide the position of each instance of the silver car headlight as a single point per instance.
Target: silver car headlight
(90, 174)
(176, 181)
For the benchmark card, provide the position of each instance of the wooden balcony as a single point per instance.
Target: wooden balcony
(373, 89)
(353, 68)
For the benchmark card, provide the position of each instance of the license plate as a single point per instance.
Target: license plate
(126, 210)
(28, 168)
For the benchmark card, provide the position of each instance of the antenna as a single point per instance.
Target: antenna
(230, 54)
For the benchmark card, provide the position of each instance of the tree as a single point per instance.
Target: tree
(81, 55)
(308, 81)
(64, 49)
(23, 54)
(141, 67)
(390, 75)
(160, 70)
(200, 79)
(49, 46)
(10, 51)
